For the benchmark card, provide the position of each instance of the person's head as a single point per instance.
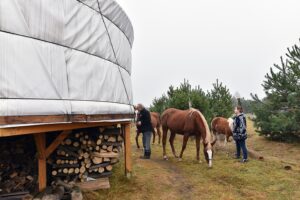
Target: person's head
(238, 110)
(139, 107)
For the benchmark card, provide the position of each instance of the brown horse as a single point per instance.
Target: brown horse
(155, 121)
(222, 126)
(187, 123)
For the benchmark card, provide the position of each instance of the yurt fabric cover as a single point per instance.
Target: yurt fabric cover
(64, 58)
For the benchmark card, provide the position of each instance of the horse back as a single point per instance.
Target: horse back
(220, 125)
(179, 121)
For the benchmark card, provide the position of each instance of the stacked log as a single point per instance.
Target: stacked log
(87, 154)
(18, 174)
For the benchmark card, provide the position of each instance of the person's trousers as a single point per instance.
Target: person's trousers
(241, 145)
(146, 143)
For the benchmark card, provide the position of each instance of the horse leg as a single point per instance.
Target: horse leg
(154, 133)
(226, 146)
(185, 139)
(171, 140)
(198, 148)
(164, 141)
(159, 134)
(137, 139)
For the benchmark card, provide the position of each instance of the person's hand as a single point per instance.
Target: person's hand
(139, 123)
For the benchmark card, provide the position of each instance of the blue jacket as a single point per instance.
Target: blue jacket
(240, 127)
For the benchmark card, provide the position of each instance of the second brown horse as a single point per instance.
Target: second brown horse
(187, 123)
(155, 121)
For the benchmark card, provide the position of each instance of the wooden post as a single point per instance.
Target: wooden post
(127, 151)
(40, 141)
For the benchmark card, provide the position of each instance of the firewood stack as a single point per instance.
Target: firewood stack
(87, 154)
(18, 166)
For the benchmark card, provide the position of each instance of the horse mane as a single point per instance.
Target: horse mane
(230, 123)
(208, 136)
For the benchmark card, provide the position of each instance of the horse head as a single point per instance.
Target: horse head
(208, 145)
(208, 151)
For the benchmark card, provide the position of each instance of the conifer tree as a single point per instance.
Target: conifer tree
(278, 114)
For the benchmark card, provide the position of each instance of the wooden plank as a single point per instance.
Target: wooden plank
(33, 119)
(40, 141)
(101, 183)
(127, 151)
(6, 132)
(57, 142)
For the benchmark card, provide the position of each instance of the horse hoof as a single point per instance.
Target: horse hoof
(180, 159)
(199, 161)
(166, 158)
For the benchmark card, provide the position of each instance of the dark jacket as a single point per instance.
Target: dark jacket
(239, 127)
(145, 119)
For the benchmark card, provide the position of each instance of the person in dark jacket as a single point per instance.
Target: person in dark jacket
(240, 133)
(145, 126)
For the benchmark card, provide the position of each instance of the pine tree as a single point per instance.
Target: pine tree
(159, 104)
(278, 114)
(220, 100)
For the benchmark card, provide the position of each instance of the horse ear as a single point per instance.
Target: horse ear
(214, 142)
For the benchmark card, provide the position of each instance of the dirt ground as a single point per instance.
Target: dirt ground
(228, 179)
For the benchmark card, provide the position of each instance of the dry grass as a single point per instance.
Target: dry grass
(228, 179)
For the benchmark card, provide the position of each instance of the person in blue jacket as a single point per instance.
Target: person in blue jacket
(240, 133)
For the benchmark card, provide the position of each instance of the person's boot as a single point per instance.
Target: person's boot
(144, 156)
(148, 154)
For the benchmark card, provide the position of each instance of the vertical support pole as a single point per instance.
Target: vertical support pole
(40, 141)
(127, 151)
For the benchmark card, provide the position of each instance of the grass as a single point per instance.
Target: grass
(228, 179)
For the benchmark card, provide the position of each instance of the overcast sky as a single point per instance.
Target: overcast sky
(236, 41)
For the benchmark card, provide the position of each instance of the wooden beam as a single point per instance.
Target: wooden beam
(40, 141)
(35, 119)
(57, 142)
(127, 151)
(5, 132)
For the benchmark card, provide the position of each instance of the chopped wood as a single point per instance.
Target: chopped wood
(68, 141)
(99, 165)
(76, 144)
(97, 160)
(55, 166)
(120, 139)
(101, 183)
(109, 168)
(114, 160)
(82, 169)
(54, 173)
(106, 155)
(110, 148)
(65, 171)
(112, 139)
(101, 169)
(99, 141)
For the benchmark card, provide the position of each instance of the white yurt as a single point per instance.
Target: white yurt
(64, 61)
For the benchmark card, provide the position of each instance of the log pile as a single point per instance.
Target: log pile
(18, 167)
(87, 155)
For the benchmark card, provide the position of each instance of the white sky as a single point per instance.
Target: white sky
(236, 41)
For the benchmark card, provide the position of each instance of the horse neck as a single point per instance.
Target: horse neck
(201, 127)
